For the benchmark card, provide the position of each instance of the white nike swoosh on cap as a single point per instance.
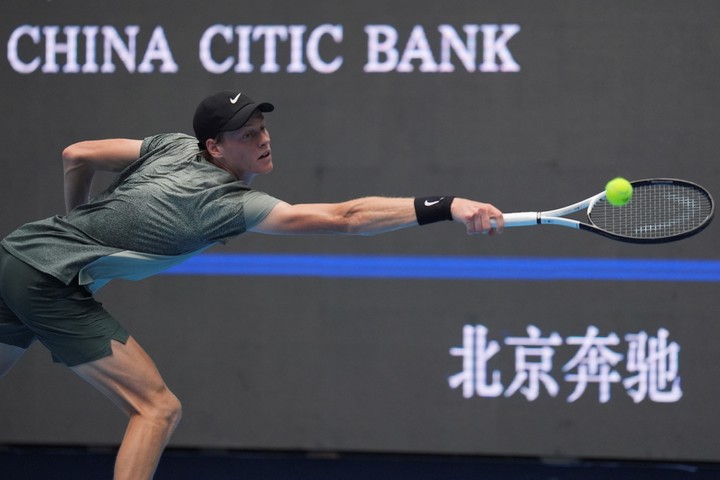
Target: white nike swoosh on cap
(234, 100)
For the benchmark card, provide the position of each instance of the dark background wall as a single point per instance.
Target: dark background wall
(583, 91)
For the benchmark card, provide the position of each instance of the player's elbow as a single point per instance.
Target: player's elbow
(352, 226)
(73, 152)
(74, 156)
(353, 221)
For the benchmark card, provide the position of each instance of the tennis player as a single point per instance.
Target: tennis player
(174, 196)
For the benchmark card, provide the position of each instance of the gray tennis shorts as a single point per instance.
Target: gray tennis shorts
(65, 318)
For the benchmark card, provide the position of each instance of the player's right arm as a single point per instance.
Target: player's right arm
(370, 216)
(81, 161)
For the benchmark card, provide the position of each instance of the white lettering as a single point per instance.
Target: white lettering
(383, 53)
(90, 65)
(271, 34)
(273, 39)
(451, 42)
(284, 48)
(417, 48)
(652, 366)
(497, 47)
(66, 47)
(313, 48)
(296, 50)
(114, 43)
(381, 43)
(243, 64)
(13, 46)
(53, 47)
(206, 58)
(158, 49)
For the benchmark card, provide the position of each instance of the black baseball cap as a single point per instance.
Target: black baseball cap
(223, 112)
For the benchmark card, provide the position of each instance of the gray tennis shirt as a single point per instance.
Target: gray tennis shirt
(167, 206)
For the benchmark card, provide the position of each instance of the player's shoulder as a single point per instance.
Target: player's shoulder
(169, 141)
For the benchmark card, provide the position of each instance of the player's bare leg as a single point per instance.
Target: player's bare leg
(9, 355)
(131, 380)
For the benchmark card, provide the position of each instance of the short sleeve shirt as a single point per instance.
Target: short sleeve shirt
(166, 206)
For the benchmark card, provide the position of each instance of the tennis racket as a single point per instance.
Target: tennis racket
(661, 210)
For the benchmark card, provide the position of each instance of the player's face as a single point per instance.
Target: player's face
(246, 151)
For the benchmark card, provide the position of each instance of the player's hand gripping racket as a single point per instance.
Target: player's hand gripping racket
(661, 210)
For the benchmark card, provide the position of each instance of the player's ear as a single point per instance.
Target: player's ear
(213, 147)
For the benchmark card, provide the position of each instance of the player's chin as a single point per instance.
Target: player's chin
(265, 162)
(267, 166)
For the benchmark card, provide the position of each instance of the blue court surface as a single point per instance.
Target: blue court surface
(61, 463)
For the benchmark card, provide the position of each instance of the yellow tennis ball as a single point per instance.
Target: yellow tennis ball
(618, 191)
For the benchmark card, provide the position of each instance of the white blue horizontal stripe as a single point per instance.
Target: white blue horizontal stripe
(451, 268)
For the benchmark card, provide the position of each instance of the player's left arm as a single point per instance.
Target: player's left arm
(370, 216)
(81, 161)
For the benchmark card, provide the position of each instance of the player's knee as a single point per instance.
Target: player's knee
(166, 408)
(173, 409)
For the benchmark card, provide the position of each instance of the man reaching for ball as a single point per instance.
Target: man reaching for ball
(174, 196)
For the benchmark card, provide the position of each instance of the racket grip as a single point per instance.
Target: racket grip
(521, 219)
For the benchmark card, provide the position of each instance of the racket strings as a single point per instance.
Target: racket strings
(655, 211)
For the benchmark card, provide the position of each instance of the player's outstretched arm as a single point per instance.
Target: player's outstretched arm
(81, 161)
(373, 215)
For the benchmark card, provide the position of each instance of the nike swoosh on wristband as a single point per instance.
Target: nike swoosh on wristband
(430, 204)
(234, 100)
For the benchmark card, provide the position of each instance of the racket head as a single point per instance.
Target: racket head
(661, 210)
